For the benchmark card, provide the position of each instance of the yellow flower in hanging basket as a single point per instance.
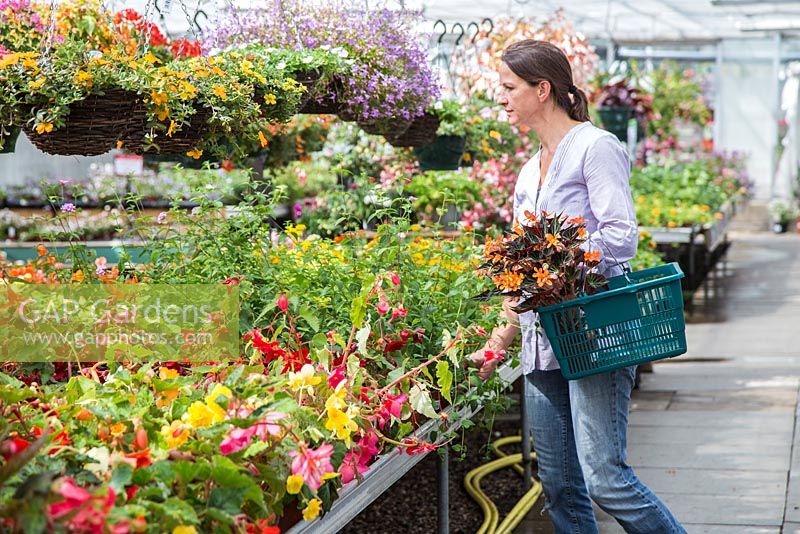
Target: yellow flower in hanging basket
(44, 127)
(158, 98)
(195, 154)
(83, 77)
(219, 90)
(263, 140)
(172, 128)
(270, 99)
(37, 83)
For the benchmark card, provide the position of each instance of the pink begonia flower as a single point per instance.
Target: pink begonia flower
(239, 438)
(350, 466)
(90, 509)
(312, 464)
(336, 377)
(391, 407)
(396, 279)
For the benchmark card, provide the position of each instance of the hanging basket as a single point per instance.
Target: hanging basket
(193, 131)
(615, 120)
(93, 126)
(639, 319)
(421, 132)
(10, 140)
(327, 100)
(444, 154)
(390, 129)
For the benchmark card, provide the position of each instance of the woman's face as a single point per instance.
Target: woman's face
(520, 99)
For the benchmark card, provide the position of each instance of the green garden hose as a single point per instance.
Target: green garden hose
(491, 517)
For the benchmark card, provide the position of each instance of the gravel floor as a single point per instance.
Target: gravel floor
(410, 505)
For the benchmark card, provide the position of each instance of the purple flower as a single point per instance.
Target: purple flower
(298, 210)
(101, 270)
(69, 207)
(162, 217)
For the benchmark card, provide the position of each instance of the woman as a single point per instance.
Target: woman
(579, 426)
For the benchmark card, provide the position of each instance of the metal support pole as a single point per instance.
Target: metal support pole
(525, 425)
(443, 468)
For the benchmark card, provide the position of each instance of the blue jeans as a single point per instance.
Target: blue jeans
(580, 438)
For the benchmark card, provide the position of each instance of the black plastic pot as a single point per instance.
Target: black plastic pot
(10, 140)
(615, 120)
(444, 154)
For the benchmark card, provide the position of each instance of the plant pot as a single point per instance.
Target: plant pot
(615, 120)
(444, 154)
(780, 227)
(421, 132)
(10, 140)
(93, 126)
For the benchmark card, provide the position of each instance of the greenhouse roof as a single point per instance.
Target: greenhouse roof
(640, 21)
(623, 21)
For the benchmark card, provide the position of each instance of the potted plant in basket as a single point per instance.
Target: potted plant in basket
(446, 151)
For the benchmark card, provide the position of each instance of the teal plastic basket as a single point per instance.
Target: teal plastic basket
(638, 319)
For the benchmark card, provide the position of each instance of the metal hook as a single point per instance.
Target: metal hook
(491, 25)
(441, 35)
(477, 31)
(197, 24)
(461, 35)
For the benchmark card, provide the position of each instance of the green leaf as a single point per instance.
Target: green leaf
(121, 477)
(311, 319)
(319, 341)
(80, 388)
(421, 402)
(444, 378)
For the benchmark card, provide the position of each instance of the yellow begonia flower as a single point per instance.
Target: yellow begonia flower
(218, 391)
(337, 399)
(165, 373)
(200, 414)
(304, 379)
(494, 134)
(183, 529)
(176, 434)
(312, 510)
(293, 484)
(340, 423)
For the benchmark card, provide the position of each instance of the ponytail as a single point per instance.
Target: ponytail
(579, 108)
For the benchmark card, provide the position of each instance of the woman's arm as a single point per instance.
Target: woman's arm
(499, 340)
(607, 173)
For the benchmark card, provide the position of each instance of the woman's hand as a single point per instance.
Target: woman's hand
(487, 359)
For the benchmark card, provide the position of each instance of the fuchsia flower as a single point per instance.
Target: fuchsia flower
(396, 279)
(90, 510)
(282, 303)
(383, 306)
(312, 464)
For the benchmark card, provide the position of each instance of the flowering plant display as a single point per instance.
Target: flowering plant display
(542, 262)
(490, 136)
(388, 74)
(677, 95)
(680, 189)
(347, 345)
(452, 117)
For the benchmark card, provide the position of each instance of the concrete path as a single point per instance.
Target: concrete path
(714, 432)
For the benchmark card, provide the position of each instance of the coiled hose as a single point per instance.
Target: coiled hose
(491, 517)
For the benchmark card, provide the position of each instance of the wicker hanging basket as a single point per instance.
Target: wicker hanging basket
(325, 101)
(193, 131)
(93, 126)
(421, 131)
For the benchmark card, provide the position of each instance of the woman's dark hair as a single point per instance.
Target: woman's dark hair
(534, 61)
